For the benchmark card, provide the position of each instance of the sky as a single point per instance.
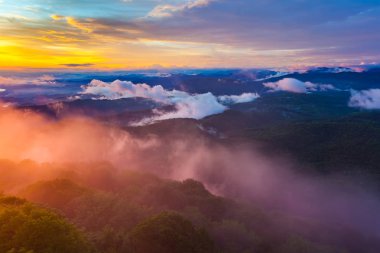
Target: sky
(128, 34)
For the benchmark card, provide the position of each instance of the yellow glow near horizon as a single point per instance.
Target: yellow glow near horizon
(41, 52)
(61, 42)
(64, 41)
(54, 49)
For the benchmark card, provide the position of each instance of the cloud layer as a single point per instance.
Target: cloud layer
(186, 105)
(235, 171)
(297, 86)
(366, 99)
(41, 80)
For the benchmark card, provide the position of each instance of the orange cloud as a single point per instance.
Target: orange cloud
(80, 25)
(57, 17)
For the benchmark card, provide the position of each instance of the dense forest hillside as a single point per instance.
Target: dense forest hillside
(129, 211)
(29, 228)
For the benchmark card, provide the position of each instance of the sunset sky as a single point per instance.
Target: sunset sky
(122, 34)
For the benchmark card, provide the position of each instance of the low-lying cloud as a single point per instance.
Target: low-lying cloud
(237, 99)
(234, 171)
(126, 89)
(297, 86)
(41, 80)
(186, 105)
(28, 135)
(366, 99)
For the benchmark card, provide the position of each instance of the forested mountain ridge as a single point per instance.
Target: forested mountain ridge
(116, 212)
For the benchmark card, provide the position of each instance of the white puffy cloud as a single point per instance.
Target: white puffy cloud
(196, 106)
(236, 99)
(126, 89)
(2, 90)
(367, 99)
(167, 10)
(193, 106)
(41, 80)
(297, 86)
(186, 105)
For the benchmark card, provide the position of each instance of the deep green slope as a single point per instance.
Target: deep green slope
(113, 216)
(349, 144)
(31, 229)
